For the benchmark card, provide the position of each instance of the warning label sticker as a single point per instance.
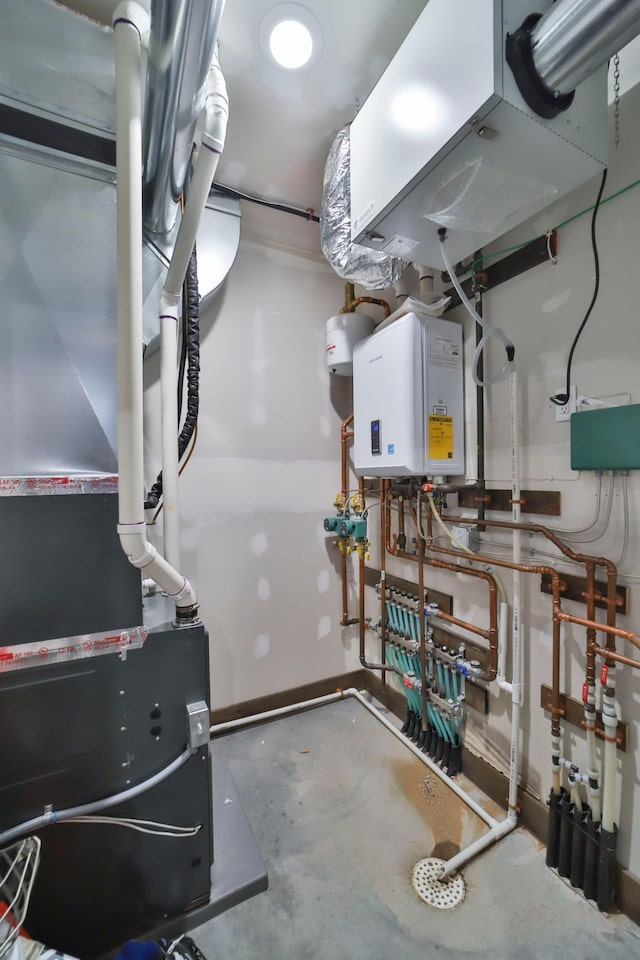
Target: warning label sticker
(444, 353)
(399, 246)
(440, 438)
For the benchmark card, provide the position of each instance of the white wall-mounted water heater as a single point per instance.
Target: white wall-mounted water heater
(408, 399)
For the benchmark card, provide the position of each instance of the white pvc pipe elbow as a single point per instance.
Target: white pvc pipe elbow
(216, 115)
(130, 25)
(143, 555)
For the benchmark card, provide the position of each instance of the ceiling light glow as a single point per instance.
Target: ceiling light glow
(290, 37)
(291, 44)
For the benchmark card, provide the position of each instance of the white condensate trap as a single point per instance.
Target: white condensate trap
(408, 399)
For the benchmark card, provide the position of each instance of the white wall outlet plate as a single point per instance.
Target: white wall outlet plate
(564, 412)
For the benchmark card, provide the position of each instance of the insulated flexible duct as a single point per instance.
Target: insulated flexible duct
(373, 270)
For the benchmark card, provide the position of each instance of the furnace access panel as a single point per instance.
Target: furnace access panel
(408, 399)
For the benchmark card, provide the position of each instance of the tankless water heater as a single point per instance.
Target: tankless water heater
(408, 399)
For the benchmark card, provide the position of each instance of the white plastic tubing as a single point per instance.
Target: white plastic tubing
(215, 115)
(610, 722)
(497, 828)
(130, 22)
(515, 687)
(59, 816)
(516, 646)
(489, 331)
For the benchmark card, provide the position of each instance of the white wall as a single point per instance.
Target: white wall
(541, 310)
(263, 476)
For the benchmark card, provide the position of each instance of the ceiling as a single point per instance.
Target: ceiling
(282, 122)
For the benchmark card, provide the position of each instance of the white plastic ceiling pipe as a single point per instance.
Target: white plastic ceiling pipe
(130, 23)
(215, 117)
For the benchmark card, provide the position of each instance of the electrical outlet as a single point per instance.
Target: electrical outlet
(564, 412)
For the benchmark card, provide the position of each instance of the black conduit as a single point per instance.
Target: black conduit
(190, 350)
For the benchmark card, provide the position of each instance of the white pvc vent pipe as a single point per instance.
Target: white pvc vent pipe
(215, 115)
(130, 22)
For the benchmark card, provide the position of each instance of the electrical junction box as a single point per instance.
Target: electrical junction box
(606, 439)
(408, 399)
(445, 139)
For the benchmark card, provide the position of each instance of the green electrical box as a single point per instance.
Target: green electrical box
(606, 439)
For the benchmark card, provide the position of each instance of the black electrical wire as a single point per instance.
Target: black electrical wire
(190, 346)
(223, 191)
(193, 356)
(561, 398)
(183, 337)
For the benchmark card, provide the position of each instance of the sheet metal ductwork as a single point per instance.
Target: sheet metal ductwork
(58, 213)
(181, 47)
(553, 54)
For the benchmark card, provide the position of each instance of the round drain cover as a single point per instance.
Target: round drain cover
(442, 894)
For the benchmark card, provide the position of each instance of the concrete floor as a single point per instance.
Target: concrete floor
(341, 812)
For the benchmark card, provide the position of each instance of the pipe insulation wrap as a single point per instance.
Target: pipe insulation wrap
(371, 269)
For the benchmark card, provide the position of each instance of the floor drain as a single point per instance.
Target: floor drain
(442, 894)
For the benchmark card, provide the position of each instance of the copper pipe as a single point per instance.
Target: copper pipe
(494, 561)
(349, 296)
(555, 592)
(556, 710)
(608, 654)
(602, 627)
(590, 672)
(455, 621)
(345, 619)
(583, 558)
(491, 635)
(385, 667)
(345, 434)
(350, 306)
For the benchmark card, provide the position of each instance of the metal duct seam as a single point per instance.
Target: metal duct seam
(181, 49)
(373, 270)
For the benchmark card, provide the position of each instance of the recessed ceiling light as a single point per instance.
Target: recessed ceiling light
(291, 44)
(290, 36)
